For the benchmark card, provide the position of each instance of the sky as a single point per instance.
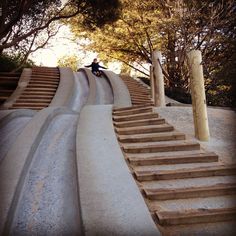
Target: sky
(62, 45)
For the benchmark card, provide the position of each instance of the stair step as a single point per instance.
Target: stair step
(195, 216)
(34, 92)
(39, 85)
(145, 129)
(174, 159)
(133, 111)
(127, 108)
(33, 100)
(152, 121)
(47, 89)
(218, 170)
(153, 137)
(30, 104)
(38, 96)
(169, 146)
(135, 117)
(40, 81)
(192, 192)
(28, 107)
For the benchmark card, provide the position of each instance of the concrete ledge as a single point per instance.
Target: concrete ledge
(111, 203)
(15, 113)
(65, 88)
(14, 167)
(22, 84)
(120, 90)
(92, 86)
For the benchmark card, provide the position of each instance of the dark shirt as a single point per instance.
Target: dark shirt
(95, 67)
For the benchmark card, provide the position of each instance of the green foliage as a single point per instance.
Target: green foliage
(174, 28)
(10, 63)
(69, 61)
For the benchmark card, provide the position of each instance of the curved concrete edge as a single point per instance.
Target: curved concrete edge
(13, 168)
(111, 203)
(65, 88)
(92, 86)
(14, 114)
(120, 90)
(22, 84)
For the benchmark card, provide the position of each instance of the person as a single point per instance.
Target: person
(95, 67)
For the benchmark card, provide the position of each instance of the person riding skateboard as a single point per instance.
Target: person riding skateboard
(95, 67)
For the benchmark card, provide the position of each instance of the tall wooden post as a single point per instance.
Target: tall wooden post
(159, 98)
(198, 95)
(152, 85)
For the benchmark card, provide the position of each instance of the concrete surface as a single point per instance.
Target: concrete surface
(14, 167)
(65, 88)
(92, 86)
(104, 91)
(111, 203)
(120, 90)
(9, 133)
(221, 124)
(49, 198)
(80, 92)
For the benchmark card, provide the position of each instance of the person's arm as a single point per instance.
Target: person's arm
(89, 66)
(102, 67)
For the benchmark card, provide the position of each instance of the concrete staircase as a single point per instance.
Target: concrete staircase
(139, 94)
(40, 90)
(8, 83)
(184, 186)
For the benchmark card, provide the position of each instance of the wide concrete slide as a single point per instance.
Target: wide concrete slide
(48, 204)
(111, 203)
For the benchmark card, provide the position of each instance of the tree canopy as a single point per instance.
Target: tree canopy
(174, 28)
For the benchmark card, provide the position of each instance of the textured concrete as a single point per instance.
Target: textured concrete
(120, 91)
(92, 86)
(104, 91)
(221, 125)
(65, 88)
(80, 92)
(9, 133)
(49, 199)
(13, 168)
(111, 203)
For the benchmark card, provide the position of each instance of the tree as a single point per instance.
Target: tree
(20, 19)
(69, 61)
(174, 27)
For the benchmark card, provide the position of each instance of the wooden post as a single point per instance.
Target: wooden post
(159, 98)
(198, 95)
(152, 85)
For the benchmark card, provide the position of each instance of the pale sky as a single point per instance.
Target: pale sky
(60, 46)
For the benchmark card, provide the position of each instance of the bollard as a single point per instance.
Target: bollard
(198, 95)
(152, 85)
(159, 97)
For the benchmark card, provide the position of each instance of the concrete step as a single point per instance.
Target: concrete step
(192, 192)
(36, 108)
(40, 81)
(30, 104)
(133, 111)
(142, 116)
(143, 103)
(38, 92)
(39, 85)
(152, 121)
(153, 137)
(33, 100)
(144, 129)
(168, 146)
(46, 89)
(127, 108)
(195, 216)
(195, 172)
(173, 158)
(39, 96)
